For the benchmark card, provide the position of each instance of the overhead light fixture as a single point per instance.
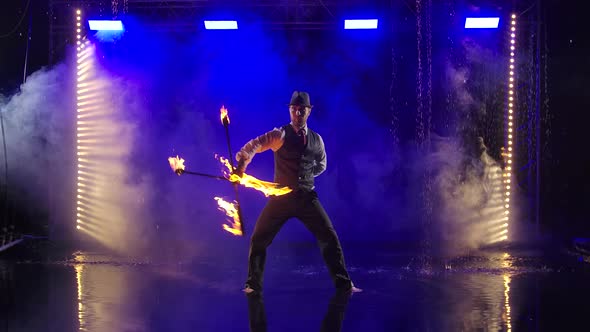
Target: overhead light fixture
(105, 25)
(221, 25)
(482, 22)
(361, 24)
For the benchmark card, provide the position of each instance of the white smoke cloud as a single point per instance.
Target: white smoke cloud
(40, 131)
(458, 78)
(467, 180)
(468, 191)
(38, 136)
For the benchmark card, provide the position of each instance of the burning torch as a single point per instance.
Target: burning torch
(237, 177)
(225, 121)
(177, 165)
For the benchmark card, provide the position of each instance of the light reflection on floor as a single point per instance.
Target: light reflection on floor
(496, 291)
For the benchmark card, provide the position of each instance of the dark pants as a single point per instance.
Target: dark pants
(305, 206)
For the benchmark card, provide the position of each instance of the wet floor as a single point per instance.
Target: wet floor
(493, 290)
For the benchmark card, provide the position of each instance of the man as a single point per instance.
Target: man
(299, 156)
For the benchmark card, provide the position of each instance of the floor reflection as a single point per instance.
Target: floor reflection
(507, 264)
(507, 317)
(331, 322)
(107, 288)
(486, 292)
(79, 269)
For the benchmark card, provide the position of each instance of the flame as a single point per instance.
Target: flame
(231, 211)
(177, 164)
(223, 114)
(267, 188)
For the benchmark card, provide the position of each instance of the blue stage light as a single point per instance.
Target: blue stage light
(105, 25)
(221, 25)
(361, 24)
(482, 22)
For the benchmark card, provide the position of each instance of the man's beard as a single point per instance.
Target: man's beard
(299, 121)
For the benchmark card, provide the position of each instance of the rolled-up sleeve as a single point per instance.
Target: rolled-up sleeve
(272, 140)
(321, 161)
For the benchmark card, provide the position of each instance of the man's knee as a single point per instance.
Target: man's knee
(330, 233)
(328, 239)
(258, 242)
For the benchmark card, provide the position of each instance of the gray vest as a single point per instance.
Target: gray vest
(294, 162)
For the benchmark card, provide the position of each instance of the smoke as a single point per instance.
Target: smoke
(114, 192)
(467, 181)
(40, 133)
(457, 77)
(37, 123)
(468, 194)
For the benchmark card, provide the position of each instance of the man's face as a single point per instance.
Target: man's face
(299, 114)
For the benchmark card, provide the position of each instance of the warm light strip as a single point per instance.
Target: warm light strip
(90, 108)
(507, 176)
(84, 207)
(96, 95)
(100, 235)
(91, 226)
(91, 115)
(499, 234)
(89, 102)
(92, 141)
(84, 70)
(498, 239)
(94, 88)
(86, 135)
(497, 228)
(88, 148)
(83, 55)
(83, 67)
(88, 179)
(85, 182)
(89, 217)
